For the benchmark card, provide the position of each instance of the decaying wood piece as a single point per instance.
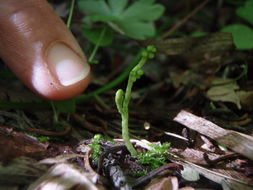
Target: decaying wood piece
(20, 171)
(221, 178)
(63, 176)
(238, 142)
(223, 175)
(215, 42)
(169, 183)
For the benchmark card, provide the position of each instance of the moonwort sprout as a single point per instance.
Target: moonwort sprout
(122, 100)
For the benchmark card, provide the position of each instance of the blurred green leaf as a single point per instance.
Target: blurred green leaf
(95, 7)
(138, 30)
(242, 35)
(246, 11)
(65, 106)
(93, 35)
(117, 6)
(235, 2)
(134, 20)
(198, 34)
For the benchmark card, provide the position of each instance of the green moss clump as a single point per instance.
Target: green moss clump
(44, 138)
(139, 173)
(155, 157)
(96, 147)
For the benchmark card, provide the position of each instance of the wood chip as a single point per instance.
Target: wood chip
(238, 142)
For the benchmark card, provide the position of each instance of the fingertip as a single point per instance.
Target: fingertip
(47, 88)
(60, 74)
(66, 65)
(41, 51)
(66, 92)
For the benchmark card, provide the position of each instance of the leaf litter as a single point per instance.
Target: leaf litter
(211, 142)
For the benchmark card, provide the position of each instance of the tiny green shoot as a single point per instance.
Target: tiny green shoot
(122, 100)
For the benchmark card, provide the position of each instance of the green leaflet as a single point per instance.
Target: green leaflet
(133, 20)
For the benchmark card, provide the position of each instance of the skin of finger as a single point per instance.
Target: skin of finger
(27, 29)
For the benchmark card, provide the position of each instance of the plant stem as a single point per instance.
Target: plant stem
(131, 81)
(122, 100)
(124, 114)
(97, 46)
(56, 116)
(125, 132)
(70, 13)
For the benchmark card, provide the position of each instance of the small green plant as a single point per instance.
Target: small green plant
(155, 157)
(122, 100)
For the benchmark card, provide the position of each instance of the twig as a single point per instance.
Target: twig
(184, 20)
(51, 133)
(220, 159)
(99, 126)
(142, 180)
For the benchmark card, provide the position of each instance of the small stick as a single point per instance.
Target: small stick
(220, 159)
(184, 20)
(51, 133)
(95, 124)
(142, 180)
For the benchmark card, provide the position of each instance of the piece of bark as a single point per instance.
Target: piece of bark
(15, 144)
(215, 42)
(220, 176)
(221, 172)
(20, 171)
(165, 183)
(61, 177)
(238, 142)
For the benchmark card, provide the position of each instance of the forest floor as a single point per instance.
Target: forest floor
(196, 95)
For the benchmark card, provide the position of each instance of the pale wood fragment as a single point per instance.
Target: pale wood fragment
(238, 142)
